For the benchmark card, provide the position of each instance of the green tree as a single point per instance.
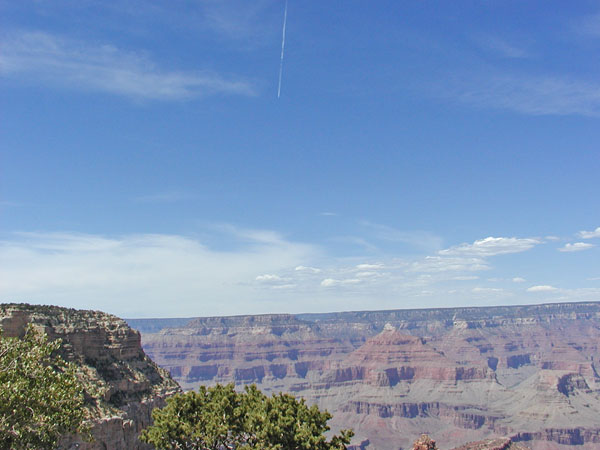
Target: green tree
(40, 395)
(219, 418)
(282, 422)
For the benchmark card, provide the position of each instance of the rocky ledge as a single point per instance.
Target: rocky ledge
(122, 384)
(492, 444)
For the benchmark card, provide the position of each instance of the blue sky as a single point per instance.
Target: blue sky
(422, 154)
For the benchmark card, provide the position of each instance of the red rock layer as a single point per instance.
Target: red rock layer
(530, 372)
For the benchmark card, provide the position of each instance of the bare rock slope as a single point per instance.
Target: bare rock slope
(122, 384)
(462, 374)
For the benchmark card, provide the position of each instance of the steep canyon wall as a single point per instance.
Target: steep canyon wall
(458, 374)
(122, 385)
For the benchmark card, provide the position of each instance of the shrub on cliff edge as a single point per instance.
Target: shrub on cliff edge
(218, 418)
(40, 395)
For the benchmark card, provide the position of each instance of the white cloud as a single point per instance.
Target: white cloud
(367, 274)
(492, 246)
(370, 266)
(330, 282)
(42, 57)
(268, 278)
(307, 269)
(576, 247)
(533, 95)
(541, 288)
(255, 271)
(144, 274)
(447, 264)
(589, 234)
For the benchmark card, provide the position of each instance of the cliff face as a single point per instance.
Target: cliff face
(122, 384)
(461, 374)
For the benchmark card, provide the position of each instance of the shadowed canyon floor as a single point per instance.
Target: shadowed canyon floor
(459, 374)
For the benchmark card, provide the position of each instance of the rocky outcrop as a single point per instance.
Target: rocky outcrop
(459, 374)
(424, 443)
(492, 444)
(122, 384)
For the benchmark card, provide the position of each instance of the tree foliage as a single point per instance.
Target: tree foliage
(40, 395)
(218, 418)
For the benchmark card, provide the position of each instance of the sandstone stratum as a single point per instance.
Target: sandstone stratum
(122, 385)
(527, 373)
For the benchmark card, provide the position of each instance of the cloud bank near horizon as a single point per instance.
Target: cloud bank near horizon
(173, 275)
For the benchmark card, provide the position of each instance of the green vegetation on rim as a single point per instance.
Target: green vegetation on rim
(41, 397)
(218, 417)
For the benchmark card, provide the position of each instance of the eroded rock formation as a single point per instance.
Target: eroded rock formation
(122, 384)
(459, 374)
(492, 444)
(424, 443)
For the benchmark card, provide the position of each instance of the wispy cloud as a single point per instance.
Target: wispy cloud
(356, 241)
(232, 270)
(368, 266)
(45, 58)
(236, 19)
(589, 234)
(137, 274)
(331, 282)
(576, 247)
(449, 264)
(528, 94)
(551, 238)
(269, 278)
(421, 239)
(502, 47)
(307, 269)
(238, 22)
(589, 25)
(492, 246)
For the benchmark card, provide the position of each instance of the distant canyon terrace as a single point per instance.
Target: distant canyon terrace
(458, 374)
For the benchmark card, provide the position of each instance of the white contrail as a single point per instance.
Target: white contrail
(282, 49)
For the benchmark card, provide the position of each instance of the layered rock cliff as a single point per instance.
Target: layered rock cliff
(460, 374)
(122, 384)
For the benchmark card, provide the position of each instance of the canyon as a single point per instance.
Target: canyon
(529, 373)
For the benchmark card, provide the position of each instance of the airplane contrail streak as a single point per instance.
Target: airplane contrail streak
(282, 48)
